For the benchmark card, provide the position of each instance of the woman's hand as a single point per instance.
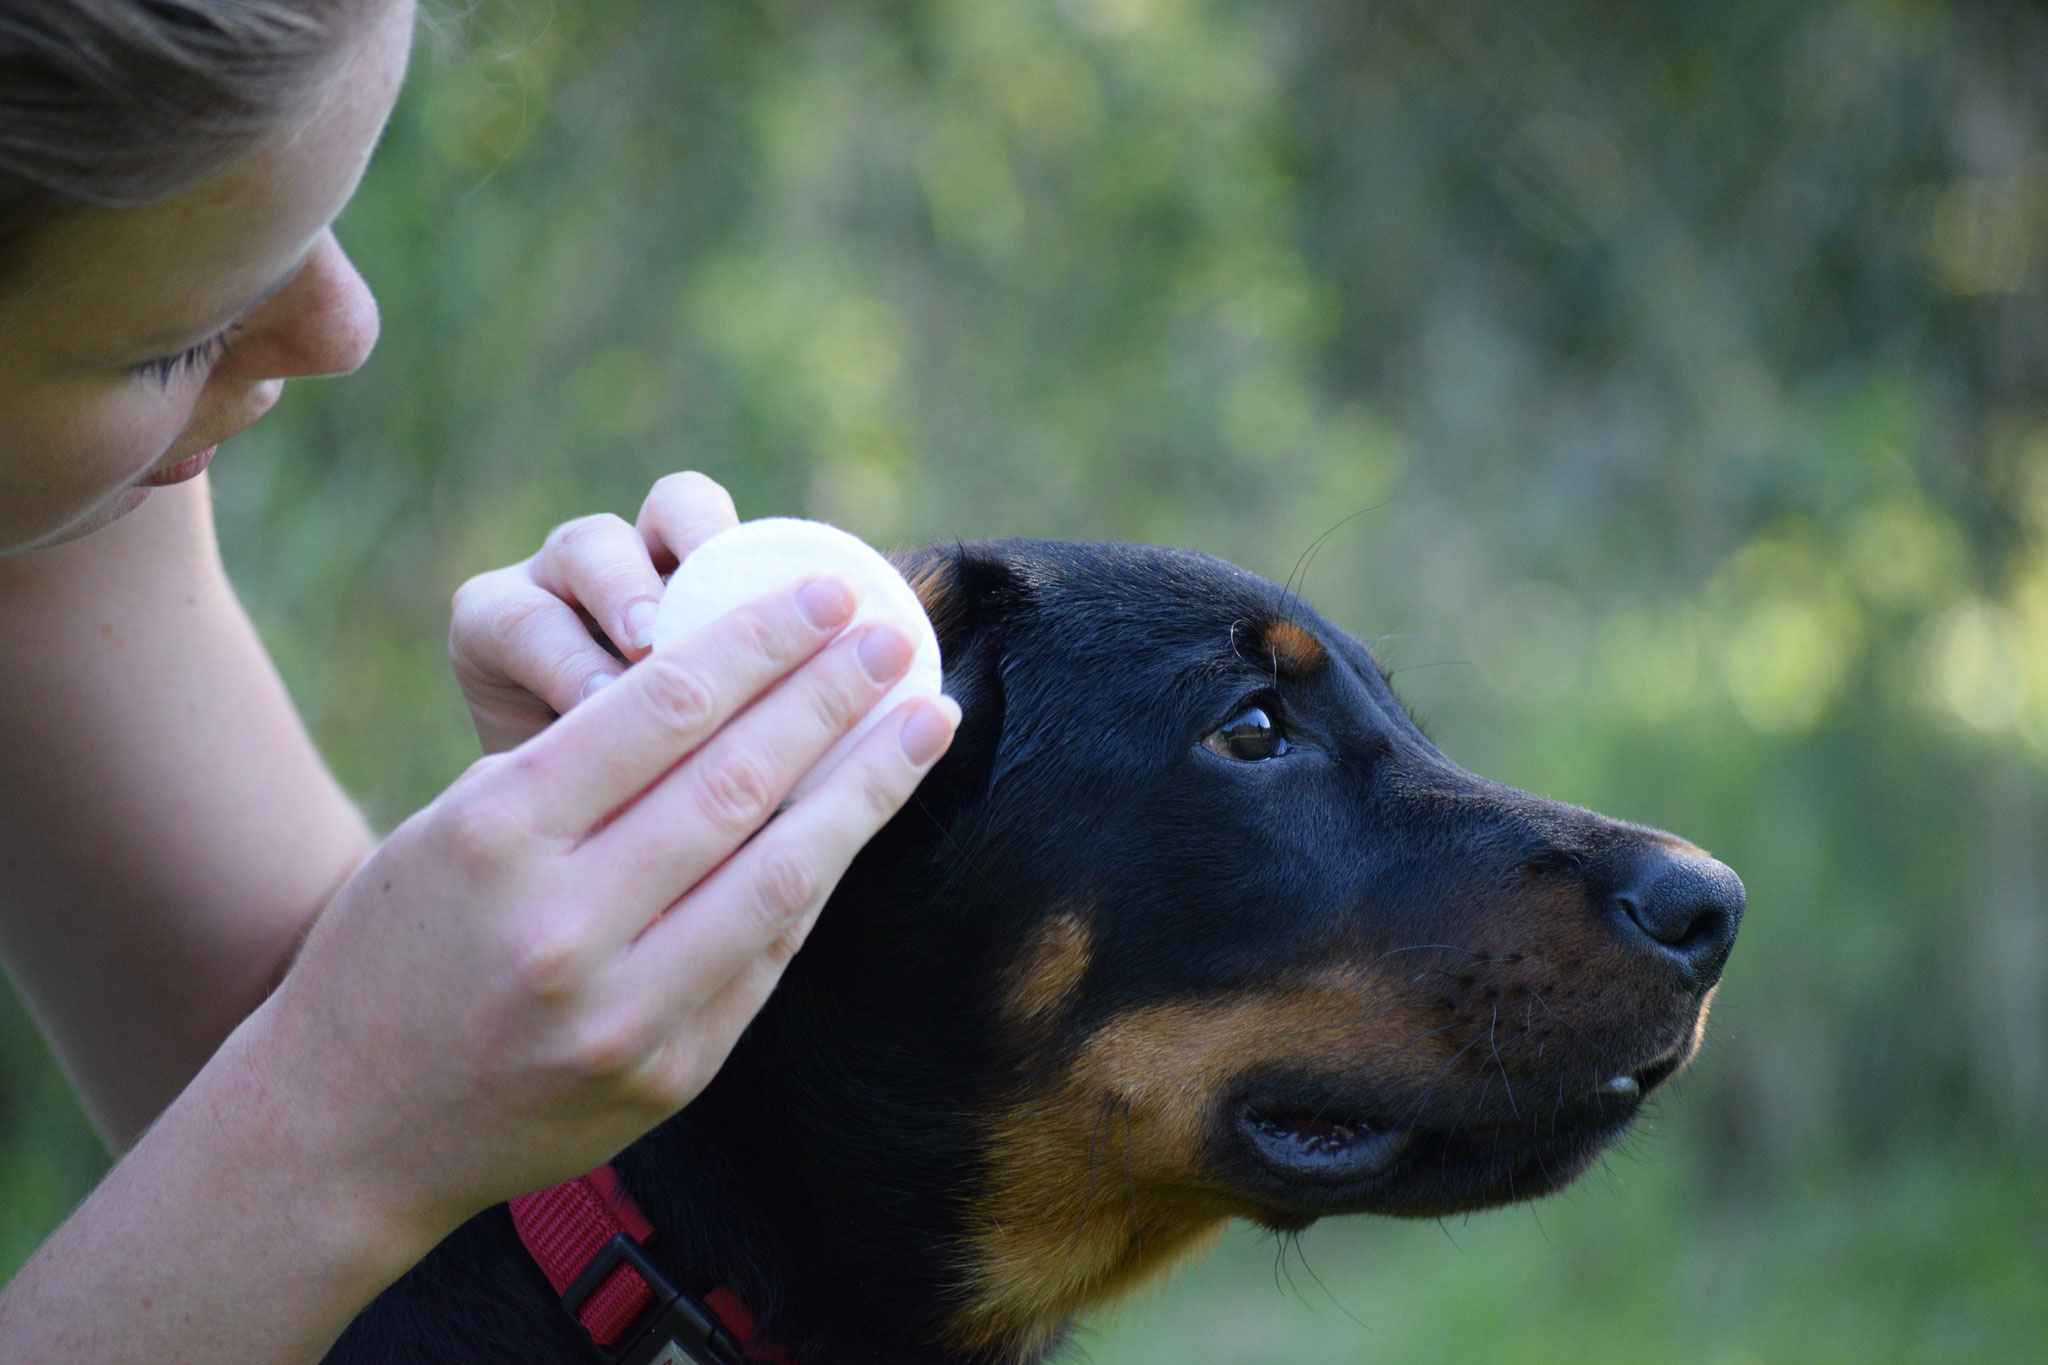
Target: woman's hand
(525, 640)
(560, 950)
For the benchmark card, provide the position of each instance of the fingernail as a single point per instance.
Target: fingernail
(825, 602)
(598, 683)
(928, 731)
(884, 653)
(640, 623)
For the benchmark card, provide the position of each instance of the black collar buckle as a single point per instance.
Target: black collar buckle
(676, 1330)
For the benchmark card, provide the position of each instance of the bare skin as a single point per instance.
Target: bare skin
(550, 958)
(149, 751)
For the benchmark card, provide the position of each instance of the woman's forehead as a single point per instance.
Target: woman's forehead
(104, 284)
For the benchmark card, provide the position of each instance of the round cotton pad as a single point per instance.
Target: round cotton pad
(757, 557)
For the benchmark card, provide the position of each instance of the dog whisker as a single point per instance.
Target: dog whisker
(1506, 1082)
(1423, 1102)
(1485, 959)
(1103, 1111)
(1131, 1171)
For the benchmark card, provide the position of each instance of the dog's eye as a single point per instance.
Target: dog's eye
(1249, 735)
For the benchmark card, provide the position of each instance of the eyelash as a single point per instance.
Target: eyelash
(166, 368)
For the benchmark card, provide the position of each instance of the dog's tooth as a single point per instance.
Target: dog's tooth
(1621, 1086)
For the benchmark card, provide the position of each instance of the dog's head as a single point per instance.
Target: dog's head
(1193, 922)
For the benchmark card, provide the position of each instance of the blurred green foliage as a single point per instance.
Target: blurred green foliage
(1676, 373)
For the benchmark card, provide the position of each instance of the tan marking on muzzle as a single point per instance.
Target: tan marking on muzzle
(1102, 1180)
(1699, 1026)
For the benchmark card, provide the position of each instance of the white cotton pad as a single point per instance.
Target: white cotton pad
(758, 557)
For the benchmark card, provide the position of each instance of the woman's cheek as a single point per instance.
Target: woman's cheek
(70, 454)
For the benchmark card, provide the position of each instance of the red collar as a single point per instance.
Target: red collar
(586, 1235)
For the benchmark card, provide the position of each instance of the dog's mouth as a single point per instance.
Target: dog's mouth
(1316, 1147)
(1304, 1152)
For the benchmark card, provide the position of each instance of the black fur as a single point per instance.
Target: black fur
(830, 1173)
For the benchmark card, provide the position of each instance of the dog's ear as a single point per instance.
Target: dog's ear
(971, 591)
(964, 587)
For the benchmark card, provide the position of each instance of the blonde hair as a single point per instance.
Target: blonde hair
(124, 103)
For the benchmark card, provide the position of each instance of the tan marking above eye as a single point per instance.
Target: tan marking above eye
(1293, 650)
(1049, 970)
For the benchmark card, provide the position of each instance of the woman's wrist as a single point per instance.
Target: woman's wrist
(315, 1155)
(285, 1163)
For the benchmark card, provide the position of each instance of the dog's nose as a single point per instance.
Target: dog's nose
(1687, 906)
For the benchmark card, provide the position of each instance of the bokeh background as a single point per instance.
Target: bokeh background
(1664, 384)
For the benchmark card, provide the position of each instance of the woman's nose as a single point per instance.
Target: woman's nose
(323, 322)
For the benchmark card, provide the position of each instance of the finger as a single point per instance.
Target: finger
(601, 566)
(522, 656)
(728, 1012)
(505, 717)
(683, 511)
(598, 757)
(765, 897)
(695, 1043)
(692, 821)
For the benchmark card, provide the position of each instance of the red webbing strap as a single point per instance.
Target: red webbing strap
(566, 1225)
(739, 1320)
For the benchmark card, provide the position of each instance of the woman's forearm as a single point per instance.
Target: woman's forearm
(229, 1234)
(170, 830)
(548, 959)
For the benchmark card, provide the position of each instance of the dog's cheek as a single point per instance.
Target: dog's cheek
(1100, 1181)
(1048, 973)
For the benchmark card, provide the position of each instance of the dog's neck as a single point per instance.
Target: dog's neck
(855, 1241)
(838, 1237)
(853, 1244)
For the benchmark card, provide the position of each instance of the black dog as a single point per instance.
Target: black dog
(1192, 923)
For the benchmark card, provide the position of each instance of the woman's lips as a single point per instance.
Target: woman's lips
(191, 467)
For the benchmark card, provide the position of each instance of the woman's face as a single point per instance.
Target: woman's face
(133, 342)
